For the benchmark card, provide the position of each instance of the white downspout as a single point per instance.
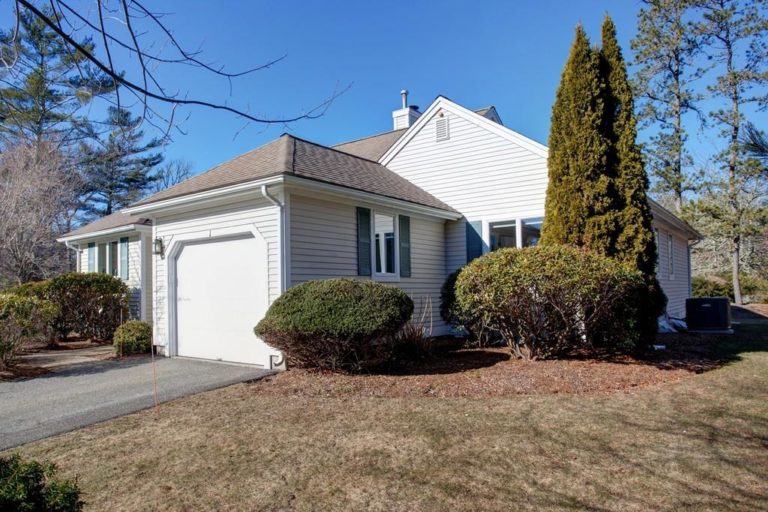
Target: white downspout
(76, 250)
(278, 361)
(281, 229)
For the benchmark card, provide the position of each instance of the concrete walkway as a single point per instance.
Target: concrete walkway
(82, 394)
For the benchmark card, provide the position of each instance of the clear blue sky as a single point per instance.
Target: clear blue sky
(506, 53)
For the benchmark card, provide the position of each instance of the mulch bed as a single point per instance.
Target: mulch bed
(492, 372)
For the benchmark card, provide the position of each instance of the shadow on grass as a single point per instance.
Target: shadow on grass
(696, 353)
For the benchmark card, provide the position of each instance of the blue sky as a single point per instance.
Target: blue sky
(506, 53)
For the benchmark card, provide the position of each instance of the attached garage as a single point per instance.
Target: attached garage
(221, 292)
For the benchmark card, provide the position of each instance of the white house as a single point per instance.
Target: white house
(407, 207)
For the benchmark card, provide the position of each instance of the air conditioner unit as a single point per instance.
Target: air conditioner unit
(708, 313)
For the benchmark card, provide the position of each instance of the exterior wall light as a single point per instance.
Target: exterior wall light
(157, 247)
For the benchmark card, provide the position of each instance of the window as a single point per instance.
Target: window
(91, 257)
(532, 231)
(384, 243)
(503, 234)
(113, 258)
(102, 257)
(670, 255)
(658, 249)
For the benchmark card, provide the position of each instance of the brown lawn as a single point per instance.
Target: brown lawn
(675, 437)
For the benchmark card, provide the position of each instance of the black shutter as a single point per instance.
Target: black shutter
(363, 241)
(405, 245)
(474, 239)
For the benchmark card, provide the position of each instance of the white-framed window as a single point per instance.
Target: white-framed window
(670, 255)
(518, 232)
(658, 249)
(109, 257)
(385, 246)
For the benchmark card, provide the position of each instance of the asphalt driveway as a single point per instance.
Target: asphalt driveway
(87, 393)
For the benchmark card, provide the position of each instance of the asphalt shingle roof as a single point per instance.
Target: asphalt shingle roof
(116, 220)
(289, 155)
(373, 147)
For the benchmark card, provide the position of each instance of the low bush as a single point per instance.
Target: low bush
(91, 304)
(133, 337)
(753, 289)
(472, 322)
(550, 300)
(28, 485)
(336, 324)
(22, 320)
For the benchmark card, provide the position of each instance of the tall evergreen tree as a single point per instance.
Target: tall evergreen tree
(46, 85)
(118, 170)
(581, 197)
(736, 35)
(666, 47)
(635, 244)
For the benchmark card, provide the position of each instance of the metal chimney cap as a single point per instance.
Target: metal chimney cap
(404, 95)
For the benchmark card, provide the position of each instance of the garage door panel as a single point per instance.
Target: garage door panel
(221, 294)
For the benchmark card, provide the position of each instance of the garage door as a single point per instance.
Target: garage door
(221, 294)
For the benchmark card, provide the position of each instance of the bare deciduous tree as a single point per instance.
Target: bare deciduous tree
(171, 173)
(128, 27)
(37, 188)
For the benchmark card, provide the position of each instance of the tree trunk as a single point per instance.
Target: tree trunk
(733, 168)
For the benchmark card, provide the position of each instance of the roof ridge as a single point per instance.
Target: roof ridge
(368, 137)
(334, 150)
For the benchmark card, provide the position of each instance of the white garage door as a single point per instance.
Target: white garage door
(221, 294)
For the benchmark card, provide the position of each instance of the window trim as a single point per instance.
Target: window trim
(670, 256)
(393, 277)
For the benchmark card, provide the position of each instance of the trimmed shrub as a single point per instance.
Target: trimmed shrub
(474, 324)
(22, 320)
(93, 305)
(336, 324)
(31, 485)
(133, 337)
(550, 300)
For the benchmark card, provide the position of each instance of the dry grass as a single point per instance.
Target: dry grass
(697, 444)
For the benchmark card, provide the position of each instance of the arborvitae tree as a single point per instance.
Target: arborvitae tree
(635, 244)
(581, 198)
(118, 171)
(666, 48)
(47, 84)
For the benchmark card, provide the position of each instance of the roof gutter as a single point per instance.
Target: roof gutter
(66, 240)
(201, 197)
(346, 192)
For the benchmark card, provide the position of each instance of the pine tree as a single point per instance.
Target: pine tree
(118, 171)
(581, 198)
(48, 84)
(666, 48)
(735, 33)
(635, 244)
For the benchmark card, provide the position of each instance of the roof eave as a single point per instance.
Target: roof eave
(204, 196)
(671, 218)
(105, 232)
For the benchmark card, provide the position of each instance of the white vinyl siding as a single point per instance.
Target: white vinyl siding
(676, 284)
(324, 245)
(200, 224)
(482, 174)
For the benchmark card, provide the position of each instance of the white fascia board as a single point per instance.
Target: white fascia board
(473, 117)
(305, 184)
(202, 197)
(139, 228)
(661, 213)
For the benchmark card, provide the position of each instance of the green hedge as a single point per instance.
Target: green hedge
(336, 324)
(22, 320)
(133, 337)
(474, 324)
(552, 300)
(92, 305)
(28, 485)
